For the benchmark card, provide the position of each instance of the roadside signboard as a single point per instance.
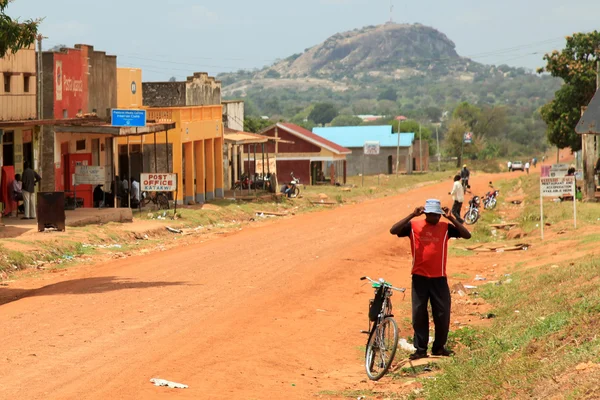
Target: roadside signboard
(128, 118)
(557, 187)
(158, 182)
(558, 170)
(371, 148)
(270, 166)
(468, 137)
(90, 175)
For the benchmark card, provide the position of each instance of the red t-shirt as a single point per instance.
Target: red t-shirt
(429, 246)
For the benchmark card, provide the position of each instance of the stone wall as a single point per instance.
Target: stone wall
(163, 94)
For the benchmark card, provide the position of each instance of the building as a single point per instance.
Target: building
(18, 111)
(198, 90)
(233, 114)
(302, 152)
(77, 82)
(354, 138)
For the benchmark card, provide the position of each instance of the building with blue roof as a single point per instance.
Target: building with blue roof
(354, 138)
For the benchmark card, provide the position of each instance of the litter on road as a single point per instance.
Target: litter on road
(173, 385)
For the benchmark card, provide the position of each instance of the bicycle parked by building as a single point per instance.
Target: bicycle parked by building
(383, 330)
(160, 200)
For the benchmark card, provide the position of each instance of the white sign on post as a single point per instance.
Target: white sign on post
(557, 187)
(89, 175)
(158, 182)
(558, 170)
(371, 148)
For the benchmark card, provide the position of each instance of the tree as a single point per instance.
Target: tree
(434, 114)
(387, 107)
(256, 125)
(323, 113)
(576, 65)
(15, 35)
(454, 141)
(388, 94)
(346, 120)
(172, 79)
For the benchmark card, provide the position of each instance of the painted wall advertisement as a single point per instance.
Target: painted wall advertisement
(70, 84)
(158, 182)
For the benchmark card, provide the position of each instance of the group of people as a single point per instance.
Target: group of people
(119, 192)
(23, 189)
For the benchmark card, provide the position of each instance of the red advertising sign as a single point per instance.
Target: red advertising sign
(70, 83)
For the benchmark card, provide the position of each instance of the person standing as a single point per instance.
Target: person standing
(429, 246)
(527, 167)
(135, 193)
(458, 197)
(30, 179)
(465, 174)
(509, 166)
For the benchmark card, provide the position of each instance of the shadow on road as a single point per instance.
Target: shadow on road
(80, 286)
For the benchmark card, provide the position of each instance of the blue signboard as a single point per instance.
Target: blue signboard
(134, 118)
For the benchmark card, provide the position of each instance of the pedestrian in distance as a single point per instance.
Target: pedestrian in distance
(30, 179)
(429, 245)
(527, 167)
(458, 198)
(509, 166)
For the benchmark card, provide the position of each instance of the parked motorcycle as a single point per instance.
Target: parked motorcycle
(294, 190)
(490, 198)
(472, 214)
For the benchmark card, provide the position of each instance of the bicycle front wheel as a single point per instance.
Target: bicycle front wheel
(162, 201)
(381, 349)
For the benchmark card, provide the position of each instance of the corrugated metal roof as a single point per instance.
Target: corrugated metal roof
(332, 145)
(356, 136)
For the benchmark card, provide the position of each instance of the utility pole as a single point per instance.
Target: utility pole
(39, 76)
(420, 150)
(437, 138)
(398, 152)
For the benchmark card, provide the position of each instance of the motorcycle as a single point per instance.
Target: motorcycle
(490, 198)
(294, 190)
(244, 183)
(472, 214)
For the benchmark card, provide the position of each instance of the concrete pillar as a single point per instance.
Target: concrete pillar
(188, 156)
(219, 166)
(209, 153)
(234, 155)
(47, 170)
(200, 171)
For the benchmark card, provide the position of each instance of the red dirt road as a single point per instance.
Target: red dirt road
(270, 312)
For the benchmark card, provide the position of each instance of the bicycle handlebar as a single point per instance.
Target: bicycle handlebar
(382, 282)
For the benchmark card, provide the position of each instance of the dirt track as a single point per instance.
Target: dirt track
(269, 312)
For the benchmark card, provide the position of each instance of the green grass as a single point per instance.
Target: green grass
(366, 393)
(546, 321)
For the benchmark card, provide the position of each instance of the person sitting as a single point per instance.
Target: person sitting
(17, 192)
(321, 176)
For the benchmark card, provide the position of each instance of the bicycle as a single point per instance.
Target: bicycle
(160, 200)
(383, 330)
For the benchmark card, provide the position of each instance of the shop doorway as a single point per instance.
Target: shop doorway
(8, 148)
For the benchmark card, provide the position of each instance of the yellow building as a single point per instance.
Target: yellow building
(195, 145)
(18, 110)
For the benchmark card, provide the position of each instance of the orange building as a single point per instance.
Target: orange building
(193, 149)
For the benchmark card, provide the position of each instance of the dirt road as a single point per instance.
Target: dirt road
(268, 312)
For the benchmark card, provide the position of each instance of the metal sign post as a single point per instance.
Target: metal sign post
(557, 187)
(370, 148)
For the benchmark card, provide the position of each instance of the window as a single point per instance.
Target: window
(6, 83)
(26, 84)
(80, 145)
(65, 114)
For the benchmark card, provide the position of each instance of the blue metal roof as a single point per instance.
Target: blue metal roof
(356, 136)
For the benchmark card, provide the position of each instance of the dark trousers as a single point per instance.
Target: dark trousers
(436, 291)
(456, 208)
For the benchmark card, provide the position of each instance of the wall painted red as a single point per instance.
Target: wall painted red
(70, 82)
(299, 145)
(301, 169)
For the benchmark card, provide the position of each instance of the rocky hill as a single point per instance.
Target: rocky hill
(387, 52)
(393, 69)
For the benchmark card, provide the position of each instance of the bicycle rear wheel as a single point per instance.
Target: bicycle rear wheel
(381, 349)
(162, 201)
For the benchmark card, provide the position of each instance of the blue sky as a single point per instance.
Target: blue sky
(176, 37)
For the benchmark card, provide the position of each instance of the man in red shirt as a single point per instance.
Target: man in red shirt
(429, 246)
